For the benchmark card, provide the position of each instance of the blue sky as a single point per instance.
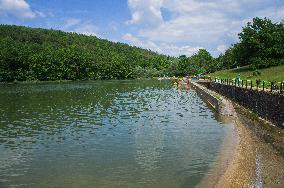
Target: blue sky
(172, 27)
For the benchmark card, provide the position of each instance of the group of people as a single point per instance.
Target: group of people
(182, 81)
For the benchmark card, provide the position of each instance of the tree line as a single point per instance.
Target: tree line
(28, 54)
(41, 54)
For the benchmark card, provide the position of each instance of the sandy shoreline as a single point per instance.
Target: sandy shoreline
(232, 168)
(247, 159)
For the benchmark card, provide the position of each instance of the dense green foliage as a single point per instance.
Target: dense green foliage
(201, 62)
(40, 54)
(261, 45)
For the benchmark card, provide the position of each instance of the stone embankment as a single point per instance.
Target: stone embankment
(269, 106)
(215, 100)
(252, 155)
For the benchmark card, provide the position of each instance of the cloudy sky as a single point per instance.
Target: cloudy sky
(173, 27)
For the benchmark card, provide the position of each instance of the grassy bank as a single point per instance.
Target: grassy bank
(246, 73)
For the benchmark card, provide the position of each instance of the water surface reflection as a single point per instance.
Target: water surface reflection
(105, 134)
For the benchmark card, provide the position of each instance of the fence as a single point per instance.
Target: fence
(268, 105)
(275, 87)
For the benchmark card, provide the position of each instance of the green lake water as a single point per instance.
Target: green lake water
(139, 133)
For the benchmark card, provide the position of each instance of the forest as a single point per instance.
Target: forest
(29, 54)
(39, 54)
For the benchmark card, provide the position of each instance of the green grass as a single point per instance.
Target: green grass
(246, 73)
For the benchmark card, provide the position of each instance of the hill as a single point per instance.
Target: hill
(267, 74)
(41, 54)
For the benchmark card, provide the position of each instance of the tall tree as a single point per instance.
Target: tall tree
(261, 43)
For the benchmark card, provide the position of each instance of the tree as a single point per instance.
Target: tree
(202, 61)
(261, 43)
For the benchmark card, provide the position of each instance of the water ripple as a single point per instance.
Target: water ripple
(105, 134)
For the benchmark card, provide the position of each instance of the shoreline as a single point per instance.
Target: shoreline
(229, 169)
(67, 81)
(247, 157)
(235, 164)
(224, 159)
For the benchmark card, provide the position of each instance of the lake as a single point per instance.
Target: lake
(136, 133)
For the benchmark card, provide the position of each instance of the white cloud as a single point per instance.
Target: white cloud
(128, 37)
(275, 13)
(212, 24)
(177, 50)
(164, 48)
(146, 11)
(222, 48)
(70, 23)
(87, 29)
(18, 8)
(41, 14)
(198, 28)
(79, 26)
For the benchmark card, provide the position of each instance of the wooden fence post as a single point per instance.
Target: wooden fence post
(263, 85)
(257, 84)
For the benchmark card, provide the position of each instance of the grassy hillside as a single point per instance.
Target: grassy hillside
(40, 54)
(267, 74)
